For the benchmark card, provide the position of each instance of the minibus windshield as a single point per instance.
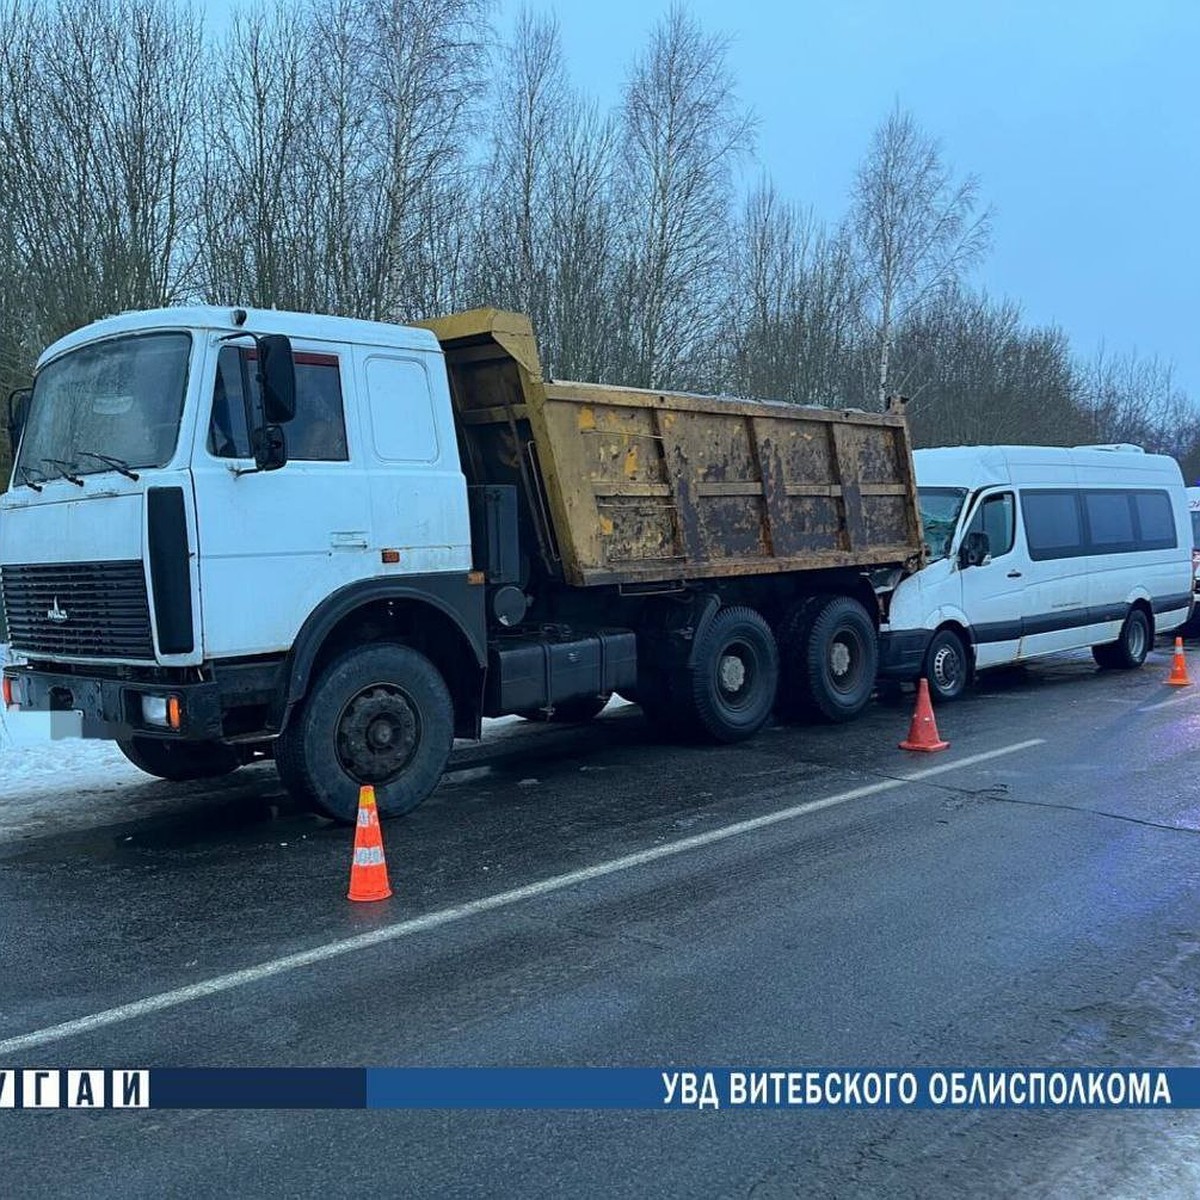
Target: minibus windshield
(940, 509)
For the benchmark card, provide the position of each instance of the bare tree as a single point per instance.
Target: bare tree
(1133, 398)
(423, 70)
(795, 303)
(257, 195)
(586, 303)
(917, 229)
(545, 233)
(341, 135)
(98, 102)
(530, 98)
(683, 129)
(986, 376)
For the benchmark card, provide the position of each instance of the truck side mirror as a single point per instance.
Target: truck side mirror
(975, 550)
(18, 414)
(270, 447)
(277, 371)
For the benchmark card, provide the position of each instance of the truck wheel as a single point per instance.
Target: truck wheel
(793, 702)
(569, 712)
(947, 665)
(842, 656)
(1130, 648)
(379, 715)
(735, 677)
(179, 761)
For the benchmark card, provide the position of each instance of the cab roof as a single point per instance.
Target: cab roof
(221, 319)
(974, 467)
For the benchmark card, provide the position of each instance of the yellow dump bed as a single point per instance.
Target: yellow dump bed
(628, 486)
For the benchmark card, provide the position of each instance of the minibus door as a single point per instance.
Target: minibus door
(993, 592)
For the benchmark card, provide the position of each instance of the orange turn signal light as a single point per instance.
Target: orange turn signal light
(7, 690)
(390, 556)
(174, 712)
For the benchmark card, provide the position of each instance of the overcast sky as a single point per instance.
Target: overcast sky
(1080, 118)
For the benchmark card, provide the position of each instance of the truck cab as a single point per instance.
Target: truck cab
(165, 541)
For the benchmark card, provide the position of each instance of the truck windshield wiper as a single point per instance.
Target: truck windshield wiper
(117, 464)
(28, 480)
(67, 469)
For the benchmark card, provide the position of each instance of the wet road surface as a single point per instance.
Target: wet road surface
(1035, 901)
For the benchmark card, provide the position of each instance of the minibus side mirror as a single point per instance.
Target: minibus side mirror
(975, 550)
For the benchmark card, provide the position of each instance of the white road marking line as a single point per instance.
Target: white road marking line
(446, 916)
(1164, 703)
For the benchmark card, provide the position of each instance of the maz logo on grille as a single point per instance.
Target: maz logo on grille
(57, 614)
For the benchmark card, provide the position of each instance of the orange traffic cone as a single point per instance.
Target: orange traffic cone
(922, 733)
(1179, 675)
(368, 871)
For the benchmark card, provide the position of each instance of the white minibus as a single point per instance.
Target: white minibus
(1034, 550)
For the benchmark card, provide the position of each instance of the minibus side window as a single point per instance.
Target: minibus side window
(1052, 524)
(1110, 522)
(996, 517)
(1156, 523)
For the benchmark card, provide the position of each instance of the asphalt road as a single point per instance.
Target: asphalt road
(1036, 906)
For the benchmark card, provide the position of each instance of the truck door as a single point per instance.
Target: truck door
(993, 594)
(418, 494)
(274, 544)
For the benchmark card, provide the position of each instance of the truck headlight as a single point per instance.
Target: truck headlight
(164, 711)
(154, 710)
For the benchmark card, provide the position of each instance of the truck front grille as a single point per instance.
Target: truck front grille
(78, 610)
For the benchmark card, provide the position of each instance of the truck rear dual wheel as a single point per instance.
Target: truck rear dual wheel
(729, 691)
(830, 652)
(180, 762)
(381, 715)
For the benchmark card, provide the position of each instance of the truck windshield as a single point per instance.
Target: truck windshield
(119, 400)
(940, 508)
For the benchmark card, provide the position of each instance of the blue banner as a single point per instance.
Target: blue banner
(695, 1088)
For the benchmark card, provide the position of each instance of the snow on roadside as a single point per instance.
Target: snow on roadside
(38, 762)
(34, 762)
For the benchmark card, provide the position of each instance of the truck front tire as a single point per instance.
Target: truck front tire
(180, 762)
(380, 715)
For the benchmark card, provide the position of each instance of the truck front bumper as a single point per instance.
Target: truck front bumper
(113, 708)
(902, 652)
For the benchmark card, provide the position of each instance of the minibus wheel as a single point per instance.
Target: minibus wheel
(947, 665)
(1130, 648)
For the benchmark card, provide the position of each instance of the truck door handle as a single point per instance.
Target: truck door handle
(348, 541)
(1014, 574)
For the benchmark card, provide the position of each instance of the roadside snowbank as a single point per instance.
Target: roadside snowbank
(33, 761)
